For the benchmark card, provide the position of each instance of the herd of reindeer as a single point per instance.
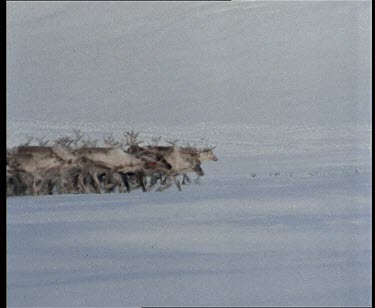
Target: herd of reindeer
(76, 165)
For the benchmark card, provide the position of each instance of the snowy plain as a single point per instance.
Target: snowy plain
(283, 89)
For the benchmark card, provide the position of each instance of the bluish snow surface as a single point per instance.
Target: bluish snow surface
(282, 89)
(232, 241)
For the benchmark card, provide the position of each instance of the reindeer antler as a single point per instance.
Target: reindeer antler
(64, 141)
(88, 142)
(110, 140)
(78, 136)
(205, 145)
(42, 142)
(155, 140)
(94, 142)
(28, 141)
(209, 148)
(85, 144)
(172, 142)
(131, 138)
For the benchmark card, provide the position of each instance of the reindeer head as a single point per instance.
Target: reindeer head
(207, 154)
(163, 162)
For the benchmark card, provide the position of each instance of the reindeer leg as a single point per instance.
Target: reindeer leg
(185, 179)
(65, 187)
(152, 179)
(141, 183)
(152, 183)
(177, 182)
(196, 181)
(34, 190)
(95, 183)
(163, 181)
(117, 178)
(23, 186)
(59, 186)
(165, 186)
(125, 180)
(107, 183)
(70, 184)
(114, 180)
(121, 186)
(158, 177)
(50, 186)
(37, 186)
(109, 188)
(75, 185)
(81, 185)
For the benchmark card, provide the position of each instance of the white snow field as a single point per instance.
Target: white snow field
(283, 89)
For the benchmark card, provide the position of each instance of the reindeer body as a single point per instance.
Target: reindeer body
(43, 163)
(119, 161)
(29, 162)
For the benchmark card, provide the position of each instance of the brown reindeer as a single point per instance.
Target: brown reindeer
(117, 160)
(47, 163)
(205, 154)
(181, 160)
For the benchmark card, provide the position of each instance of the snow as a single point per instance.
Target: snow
(283, 89)
(244, 242)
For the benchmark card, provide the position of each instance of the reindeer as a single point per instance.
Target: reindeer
(19, 183)
(32, 162)
(135, 148)
(205, 154)
(117, 160)
(45, 163)
(15, 185)
(181, 160)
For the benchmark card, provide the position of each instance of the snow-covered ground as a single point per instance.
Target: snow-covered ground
(283, 89)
